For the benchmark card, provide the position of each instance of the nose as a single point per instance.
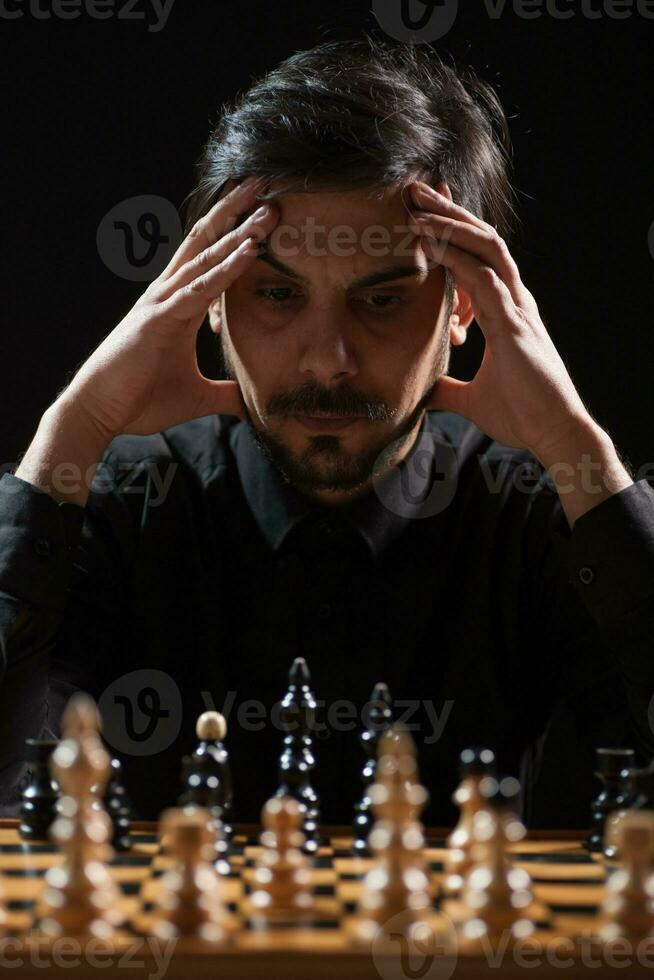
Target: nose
(326, 349)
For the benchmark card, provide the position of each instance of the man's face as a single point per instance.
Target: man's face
(321, 338)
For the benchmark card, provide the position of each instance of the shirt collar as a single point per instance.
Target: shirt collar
(379, 516)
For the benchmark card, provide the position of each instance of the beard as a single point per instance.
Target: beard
(325, 465)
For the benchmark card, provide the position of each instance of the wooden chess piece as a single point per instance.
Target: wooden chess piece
(211, 730)
(38, 809)
(190, 900)
(627, 911)
(380, 717)
(80, 897)
(497, 896)
(474, 765)
(281, 887)
(116, 803)
(612, 770)
(297, 716)
(204, 789)
(638, 790)
(395, 896)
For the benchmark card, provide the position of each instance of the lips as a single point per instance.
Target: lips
(317, 424)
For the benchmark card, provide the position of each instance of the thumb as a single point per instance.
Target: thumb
(450, 395)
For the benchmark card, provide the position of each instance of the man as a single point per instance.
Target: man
(478, 546)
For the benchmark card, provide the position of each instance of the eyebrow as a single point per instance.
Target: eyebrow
(372, 279)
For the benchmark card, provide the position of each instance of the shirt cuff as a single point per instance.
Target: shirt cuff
(39, 535)
(611, 555)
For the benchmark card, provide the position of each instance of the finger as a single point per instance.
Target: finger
(492, 303)
(190, 303)
(257, 225)
(484, 244)
(423, 195)
(213, 224)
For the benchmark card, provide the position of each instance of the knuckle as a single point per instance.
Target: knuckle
(198, 231)
(196, 288)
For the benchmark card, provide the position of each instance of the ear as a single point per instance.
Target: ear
(462, 313)
(215, 314)
(461, 318)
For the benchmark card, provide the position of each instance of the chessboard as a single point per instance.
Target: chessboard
(568, 883)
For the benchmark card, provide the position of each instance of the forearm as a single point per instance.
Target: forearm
(585, 469)
(64, 454)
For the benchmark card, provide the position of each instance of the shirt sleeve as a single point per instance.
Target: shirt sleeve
(596, 610)
(62, 599)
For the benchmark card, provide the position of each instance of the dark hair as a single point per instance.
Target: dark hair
(369, 113)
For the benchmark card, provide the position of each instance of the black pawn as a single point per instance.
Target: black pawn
(613, 767)
(116, 803)
(297, 762)
(201, 779)
(211, 729)
(380, 717)
(39, 798)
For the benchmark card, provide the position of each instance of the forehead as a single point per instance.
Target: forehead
(348, 230)
(357, 208)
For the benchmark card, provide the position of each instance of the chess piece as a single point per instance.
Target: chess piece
(204, 788)
(80, 897)
(638, 792)
(297, 762)
(380, 717)
(613, 770)
(211, 729)
(281, 888)
(190, 902)
(627, 911)
(474, 765)
(116, 803)
(38, 809)
(496, 895)
(395, 896)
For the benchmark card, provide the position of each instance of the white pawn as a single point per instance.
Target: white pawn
(627, 911)
(496, 895)
(281, 889)
(395, 897)
(190, 902)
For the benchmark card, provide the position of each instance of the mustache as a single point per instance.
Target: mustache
(343, 401)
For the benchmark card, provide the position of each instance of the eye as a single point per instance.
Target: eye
(271, 295)
(388, 301)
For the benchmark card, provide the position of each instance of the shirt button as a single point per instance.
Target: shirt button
(586, 575)
(324, 610)
(42, 546)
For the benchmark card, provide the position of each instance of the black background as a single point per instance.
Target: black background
(99, 111)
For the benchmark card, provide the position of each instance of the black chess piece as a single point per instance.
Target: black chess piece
(613, 767)
(39, 798)
(379, 718)
(297, 761)
(201, 779)
(638, 788)
(211, 729)
(117, 805)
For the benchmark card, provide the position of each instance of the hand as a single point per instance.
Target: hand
(144, 377)
(522, 394)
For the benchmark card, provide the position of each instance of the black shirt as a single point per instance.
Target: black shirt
(195, 575)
